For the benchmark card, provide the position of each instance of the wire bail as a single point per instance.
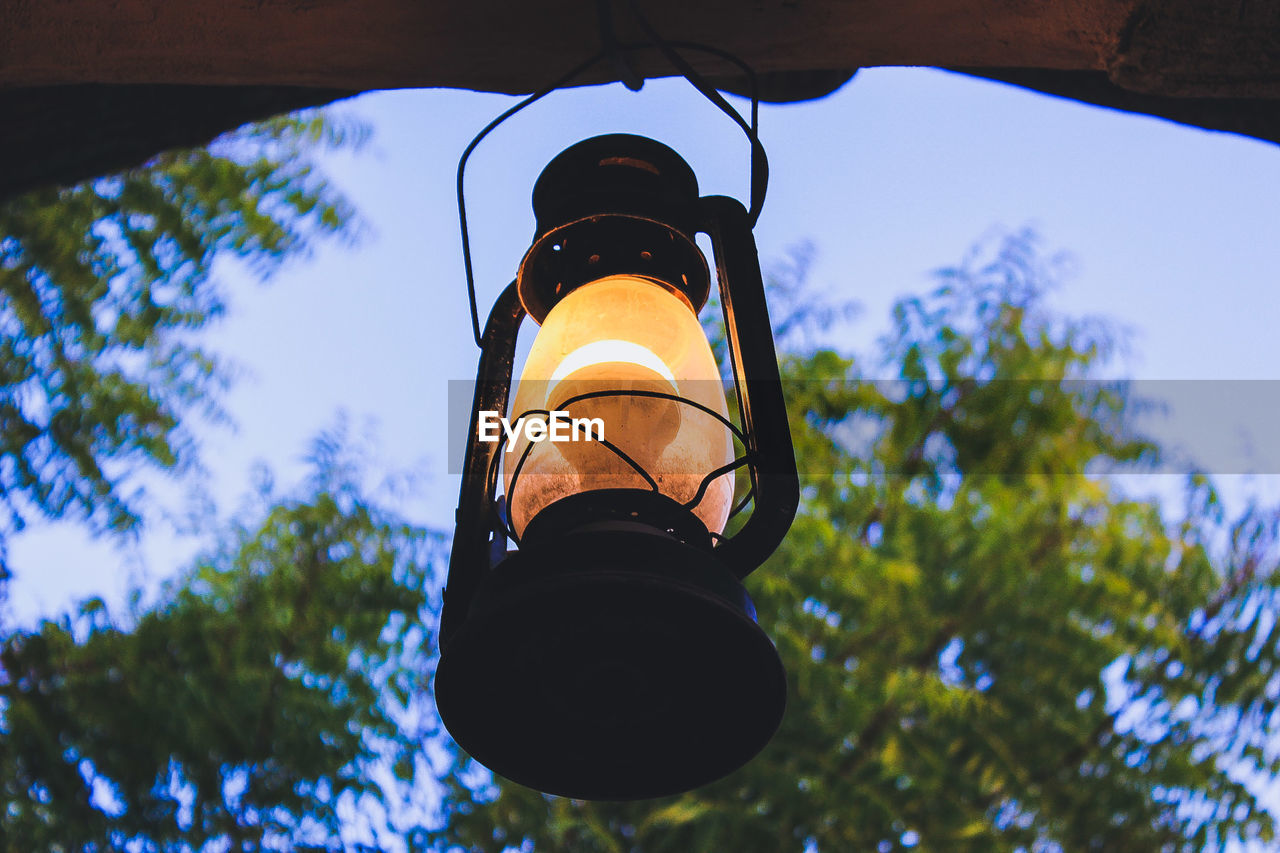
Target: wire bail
(617, 56)
(616, 51)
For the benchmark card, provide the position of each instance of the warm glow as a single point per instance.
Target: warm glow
(611, 351)
(623, 333)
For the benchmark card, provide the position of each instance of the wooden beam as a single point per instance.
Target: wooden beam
(88, 86)
(1197, 49)
(63, 134)
(517, 45)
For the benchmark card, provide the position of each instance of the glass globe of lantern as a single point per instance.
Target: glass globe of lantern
(612, 355)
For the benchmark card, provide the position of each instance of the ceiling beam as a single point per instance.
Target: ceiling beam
(516, 45)
(88, 87)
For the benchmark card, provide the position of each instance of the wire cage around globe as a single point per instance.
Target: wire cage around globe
(625, 357)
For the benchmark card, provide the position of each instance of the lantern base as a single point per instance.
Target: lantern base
(611, 666)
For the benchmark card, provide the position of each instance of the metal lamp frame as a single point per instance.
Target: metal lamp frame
(479, 542)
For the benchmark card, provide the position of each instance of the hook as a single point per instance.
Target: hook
(612, 49)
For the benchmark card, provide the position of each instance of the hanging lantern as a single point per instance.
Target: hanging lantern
(614, 654)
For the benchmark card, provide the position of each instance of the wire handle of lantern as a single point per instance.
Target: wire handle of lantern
(505, 528)
(759, 159)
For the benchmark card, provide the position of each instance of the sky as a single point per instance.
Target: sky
(1173, 231)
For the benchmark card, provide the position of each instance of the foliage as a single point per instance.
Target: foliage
(102, 285)
(247, 707)
(987, 649)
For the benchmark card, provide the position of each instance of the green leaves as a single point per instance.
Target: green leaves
(100, 287)
(986, 648)
(246, 705)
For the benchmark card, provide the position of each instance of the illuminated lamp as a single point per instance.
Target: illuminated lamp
(613, 653)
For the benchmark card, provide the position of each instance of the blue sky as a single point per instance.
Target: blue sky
(1173, 229)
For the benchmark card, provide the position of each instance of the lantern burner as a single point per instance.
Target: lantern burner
(616, 509)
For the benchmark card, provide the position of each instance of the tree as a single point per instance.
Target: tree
(249, 707)
(987, 649)
(102, 286)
